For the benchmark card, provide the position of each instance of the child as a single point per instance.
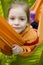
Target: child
(19, 19)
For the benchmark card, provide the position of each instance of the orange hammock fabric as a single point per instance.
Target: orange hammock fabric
(40, 27)
(8, 36)
(36, 7)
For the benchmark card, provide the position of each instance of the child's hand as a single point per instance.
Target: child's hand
(17, 49)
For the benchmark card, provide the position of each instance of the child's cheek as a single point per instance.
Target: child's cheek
(10, 22)
(23, 24)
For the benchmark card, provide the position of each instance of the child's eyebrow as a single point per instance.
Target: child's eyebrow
(22, 16)
(12, 16)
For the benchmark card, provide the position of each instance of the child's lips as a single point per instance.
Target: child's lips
(17, 27)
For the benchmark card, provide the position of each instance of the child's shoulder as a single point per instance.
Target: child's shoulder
(30, 35)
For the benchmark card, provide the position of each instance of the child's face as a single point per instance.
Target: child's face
(17, 18)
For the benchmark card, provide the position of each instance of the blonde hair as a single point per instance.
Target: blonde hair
(23, 5)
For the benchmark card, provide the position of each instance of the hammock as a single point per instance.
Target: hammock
(8, 36)
(36, 7)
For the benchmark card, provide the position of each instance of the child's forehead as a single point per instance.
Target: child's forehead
(17, 10)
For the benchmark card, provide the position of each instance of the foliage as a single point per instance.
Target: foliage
(4, 4)
(35, 59)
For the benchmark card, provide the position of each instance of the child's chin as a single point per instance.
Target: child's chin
(18, 31)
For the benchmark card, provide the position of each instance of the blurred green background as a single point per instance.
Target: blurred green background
(35, 59)
(4, 4)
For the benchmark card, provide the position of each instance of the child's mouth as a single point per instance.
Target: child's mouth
(17, 27)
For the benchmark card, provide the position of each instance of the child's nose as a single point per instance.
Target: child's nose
(16, 22)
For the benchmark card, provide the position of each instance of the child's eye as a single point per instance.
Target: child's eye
(22, 19)
(12, 18)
